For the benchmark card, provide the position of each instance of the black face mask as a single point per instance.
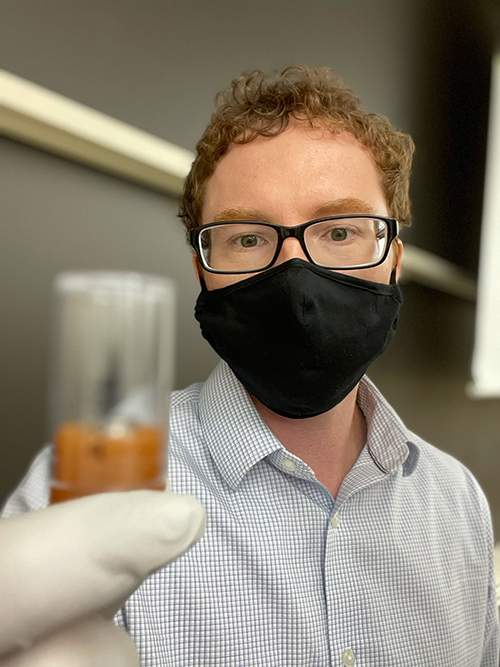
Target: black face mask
(297, 336)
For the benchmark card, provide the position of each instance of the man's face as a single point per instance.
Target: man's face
(296, 176)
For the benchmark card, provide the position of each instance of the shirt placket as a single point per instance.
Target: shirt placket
(345, 647)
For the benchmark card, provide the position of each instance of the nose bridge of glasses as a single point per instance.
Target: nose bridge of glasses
(291, 250)
(296, 232)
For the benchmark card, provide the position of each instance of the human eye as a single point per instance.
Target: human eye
(339, 234)
(248, 240)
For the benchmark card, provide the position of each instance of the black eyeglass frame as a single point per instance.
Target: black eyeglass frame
(296, 232)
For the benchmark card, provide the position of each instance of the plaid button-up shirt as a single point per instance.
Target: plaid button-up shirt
(395, 571)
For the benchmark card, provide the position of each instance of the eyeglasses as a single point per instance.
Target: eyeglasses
(339, 242)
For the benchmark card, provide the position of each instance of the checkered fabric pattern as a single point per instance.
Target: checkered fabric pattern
(396, 571)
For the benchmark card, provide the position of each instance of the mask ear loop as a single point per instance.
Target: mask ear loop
(393, 280)
(203, 284)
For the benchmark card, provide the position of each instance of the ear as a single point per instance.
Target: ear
(397, 264)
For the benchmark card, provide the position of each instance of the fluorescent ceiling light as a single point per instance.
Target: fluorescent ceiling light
(486, 358)
(37, 116)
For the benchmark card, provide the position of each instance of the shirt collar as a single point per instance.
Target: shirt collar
(238, 437)
(235, 433)
(387, 436)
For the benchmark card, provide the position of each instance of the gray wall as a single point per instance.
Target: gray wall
(157, 65)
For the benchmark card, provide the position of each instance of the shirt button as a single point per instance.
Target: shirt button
(348, 657)
(290, 465)
(335, 521)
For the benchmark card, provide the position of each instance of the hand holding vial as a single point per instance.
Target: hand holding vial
(67, 569)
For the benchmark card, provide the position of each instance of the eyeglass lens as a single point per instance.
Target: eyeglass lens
(336, 243)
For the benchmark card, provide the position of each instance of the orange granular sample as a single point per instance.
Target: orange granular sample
(89, 460)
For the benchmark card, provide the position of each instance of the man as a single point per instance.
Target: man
(334, 535)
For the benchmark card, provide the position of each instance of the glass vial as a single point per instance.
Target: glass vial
(112, 373)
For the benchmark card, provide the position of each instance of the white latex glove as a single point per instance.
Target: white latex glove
(67, 569)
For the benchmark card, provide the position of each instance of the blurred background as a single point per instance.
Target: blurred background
(157, 65)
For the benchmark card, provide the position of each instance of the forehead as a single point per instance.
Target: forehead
(293, 174)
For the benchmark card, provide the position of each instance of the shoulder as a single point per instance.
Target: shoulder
(186, 397)
(33, 491)
(448, 486)
(185, 415)
(444, 468)
(189, 460)
(436, 480)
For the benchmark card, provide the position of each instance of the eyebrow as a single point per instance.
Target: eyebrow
(342, 206)
(335, 207)
(239, 214)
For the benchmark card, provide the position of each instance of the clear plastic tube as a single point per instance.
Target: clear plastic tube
(112, 373)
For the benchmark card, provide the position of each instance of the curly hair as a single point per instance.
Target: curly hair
(259, 104)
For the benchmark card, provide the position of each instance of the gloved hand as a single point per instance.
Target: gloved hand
(66, 570)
